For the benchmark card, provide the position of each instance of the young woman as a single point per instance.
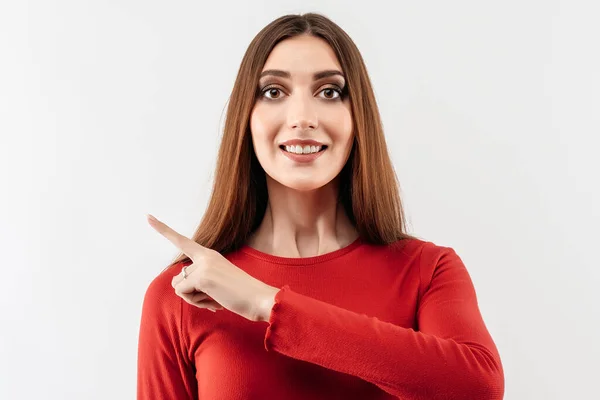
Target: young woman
(317, 290)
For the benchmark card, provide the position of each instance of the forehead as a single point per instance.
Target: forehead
(302, 55)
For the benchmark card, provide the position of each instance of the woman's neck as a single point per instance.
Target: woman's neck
(303, 224)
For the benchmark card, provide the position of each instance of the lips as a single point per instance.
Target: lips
(303, 158)
(323, 147)
(301, 142)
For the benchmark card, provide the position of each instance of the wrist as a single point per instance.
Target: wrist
(266, 304)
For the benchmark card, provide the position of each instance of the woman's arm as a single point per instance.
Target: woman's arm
(164, 372)
(452, 356)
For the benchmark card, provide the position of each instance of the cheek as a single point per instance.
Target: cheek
(263, 124)
(263, 129)
(258, 130)
(338, 123)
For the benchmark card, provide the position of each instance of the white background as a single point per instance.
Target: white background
(112, 109)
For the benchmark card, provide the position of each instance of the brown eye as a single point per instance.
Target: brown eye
(331, 93)
(271, 93)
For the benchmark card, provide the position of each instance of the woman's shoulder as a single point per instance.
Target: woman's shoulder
(420, 245)
(440, 262)
(407, 246)
(426, 253)
(160, 295)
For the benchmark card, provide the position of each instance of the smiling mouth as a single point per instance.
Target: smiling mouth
(323, 148)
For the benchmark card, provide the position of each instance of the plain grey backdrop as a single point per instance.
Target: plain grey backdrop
(112, 109)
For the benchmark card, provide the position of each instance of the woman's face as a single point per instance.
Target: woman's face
(301, 99)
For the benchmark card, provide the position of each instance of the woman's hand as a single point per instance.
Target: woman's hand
(213, 282)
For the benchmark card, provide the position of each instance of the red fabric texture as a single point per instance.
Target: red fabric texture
(362, 322)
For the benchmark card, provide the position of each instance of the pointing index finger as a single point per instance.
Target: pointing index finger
(185, 244)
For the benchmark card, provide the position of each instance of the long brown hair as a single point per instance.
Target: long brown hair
(369, 189)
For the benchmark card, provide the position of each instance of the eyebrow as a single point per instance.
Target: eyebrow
(316, 75)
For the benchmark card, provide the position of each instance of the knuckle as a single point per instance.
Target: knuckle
(202, 269)
(205, 283)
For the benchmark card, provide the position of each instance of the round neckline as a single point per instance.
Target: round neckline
(301, 260)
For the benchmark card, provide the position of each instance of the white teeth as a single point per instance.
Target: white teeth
(303, 150)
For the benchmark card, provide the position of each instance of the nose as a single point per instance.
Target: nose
(302, 113)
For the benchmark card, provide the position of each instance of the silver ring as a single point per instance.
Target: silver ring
(185, 275)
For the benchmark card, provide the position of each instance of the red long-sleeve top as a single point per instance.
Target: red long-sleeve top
(362, 322)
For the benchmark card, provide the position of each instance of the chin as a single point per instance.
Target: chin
(301, 185)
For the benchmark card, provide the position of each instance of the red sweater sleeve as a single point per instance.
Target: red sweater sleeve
(451, 356)
(164, 372)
